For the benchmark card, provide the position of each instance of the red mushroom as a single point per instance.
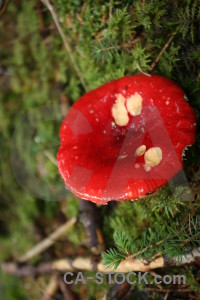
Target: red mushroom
(125, 138)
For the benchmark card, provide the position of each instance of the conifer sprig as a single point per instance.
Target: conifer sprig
(175, 242)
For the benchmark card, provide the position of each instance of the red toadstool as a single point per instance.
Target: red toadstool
(125, 138)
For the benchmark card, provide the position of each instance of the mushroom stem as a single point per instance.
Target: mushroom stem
(90, 216)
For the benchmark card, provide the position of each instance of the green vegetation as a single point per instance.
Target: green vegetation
(108, 39)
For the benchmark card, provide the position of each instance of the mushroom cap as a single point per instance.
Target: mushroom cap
(101, 159)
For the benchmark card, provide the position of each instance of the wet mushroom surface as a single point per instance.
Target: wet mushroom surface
(125, 138)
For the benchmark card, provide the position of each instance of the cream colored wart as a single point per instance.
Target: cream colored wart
(153, 157)
(140, 150)
(119, 112)
(134, 104)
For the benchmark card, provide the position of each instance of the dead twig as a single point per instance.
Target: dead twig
(52, 288)
(141, 71)
(88, 264)
(26, 271)
(50, 156)
(110, 10)
(3, 8)
(65, 41)
(166, 296)
(47, 242)
(118, 291)
(40, 16)
(146, 248)
(168, 290)
(162, 51)
(68, 294)
(126, 45)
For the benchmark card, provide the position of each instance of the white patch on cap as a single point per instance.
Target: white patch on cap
(153, 157)
(147, 169)
(119, 111)
(134, 104)
(140, 150)
(122, 156)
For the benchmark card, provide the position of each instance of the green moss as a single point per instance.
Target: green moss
(108, 39)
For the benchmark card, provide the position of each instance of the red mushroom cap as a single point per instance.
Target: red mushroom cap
(125, 139)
